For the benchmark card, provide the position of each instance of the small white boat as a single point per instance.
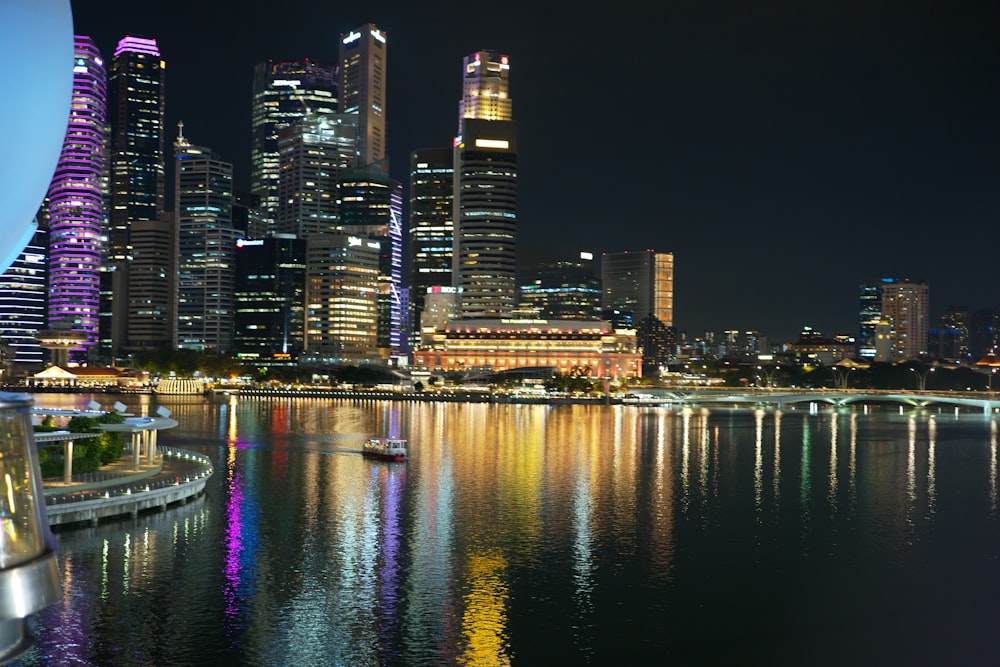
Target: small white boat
(385, 449)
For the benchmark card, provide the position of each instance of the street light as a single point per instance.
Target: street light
(840, 377)
(922, 377)
(768, 372)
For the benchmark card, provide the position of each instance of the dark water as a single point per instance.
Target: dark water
(547, 535)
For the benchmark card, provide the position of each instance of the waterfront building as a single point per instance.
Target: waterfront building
(431, 229)
(484, 255)
(206, 245)
(953, 329)
(22, 305)
(138, 318)
(642, 283)
(813, 348)
(269, 299)
(363, 71)
(75, 203)
(905, 306)
(283, 94)
(152, 284)
(588, 347)
(312, 154)
(869, 316)
(342, 299)
(563, 289)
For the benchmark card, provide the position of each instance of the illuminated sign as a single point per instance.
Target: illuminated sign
(286, 82)
(377, 34)
(492, 143)
(352, 37)
(353, 241)
(586, 255)
(242, 243)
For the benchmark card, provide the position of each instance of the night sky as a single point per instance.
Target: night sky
(783, 151)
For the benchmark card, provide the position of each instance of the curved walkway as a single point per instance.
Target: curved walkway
(121, 488)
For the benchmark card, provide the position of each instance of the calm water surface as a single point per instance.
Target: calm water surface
(538, 535)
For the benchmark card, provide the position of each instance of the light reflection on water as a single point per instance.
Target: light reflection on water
(536, 534)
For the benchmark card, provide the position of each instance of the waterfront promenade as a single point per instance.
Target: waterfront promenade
(123, 488)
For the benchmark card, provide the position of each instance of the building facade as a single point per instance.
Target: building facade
(23, 288)
(283, 94)
(363, 69)
(592, 348)
(206, 246)
(75, 204)
(641, 282)
(563, 289)
(905, 307)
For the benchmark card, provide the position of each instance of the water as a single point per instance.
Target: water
(538, 535)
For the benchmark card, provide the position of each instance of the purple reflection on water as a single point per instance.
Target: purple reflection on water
(392, 479)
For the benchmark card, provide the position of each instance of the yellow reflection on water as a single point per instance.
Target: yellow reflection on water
(931, 490)
(484, 623)
(758, 460)
(832, 496)
(993, 466)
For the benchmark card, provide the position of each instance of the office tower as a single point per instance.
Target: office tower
(22, 304)
(484, 256)
(312, 153)
(75, 203)
(152, 285)
(905, 308)
(371, 205)
(363, 69)
(269, 296)
(984, 332)
(136, 93)
(953, 323)
(563, 289)
(640, 282)
(431, 228)
(283, 94)
(485, 88)
(248, 215)
(869, 316)
(206, 245)
(342, 299)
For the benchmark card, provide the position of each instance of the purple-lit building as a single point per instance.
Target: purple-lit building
(75, 203)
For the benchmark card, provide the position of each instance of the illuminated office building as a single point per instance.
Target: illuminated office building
(431, 230)
(594, 348)
(75, 204)
(22, 304)
(206, 246)
(639, 282)
(342, 300)
(563, 289)
(484, 255)
(269, 296)
(283, 94)
(869, 316)
(136, 91)
(371, 204)
(312, 154)
(363, 69)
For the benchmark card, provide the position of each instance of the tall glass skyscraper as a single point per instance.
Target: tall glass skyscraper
(484, 259)
(22, 304)
(141, 314)
(206, 248)
(283, 94)
(363, 68)
(75, 203)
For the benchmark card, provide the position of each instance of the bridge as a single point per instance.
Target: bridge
(781, 399)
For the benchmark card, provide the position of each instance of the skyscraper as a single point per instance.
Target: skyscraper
(563, 289)
(203, 208)
(905, 306)
(640, 282)
(312, 153)
(75, 203)
(363, 68)
(431, 230)
(484, 259)
(140, 311)
(22, 303)
(283, 93)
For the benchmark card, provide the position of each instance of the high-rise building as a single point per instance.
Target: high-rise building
(136, 93)
(431, 230)
(270, 299)
(905, 307)
(75, 204)
(22, 304)
(563, 289)
(641, 282)
(484, 200)
(370, 204)
(869, 316)
(283, 94)
(206, 246)
(363, 69)
(312, 153)
(342, 299)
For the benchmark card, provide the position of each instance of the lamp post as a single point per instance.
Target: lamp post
(768, 372)
(922, 377)
(840, 377)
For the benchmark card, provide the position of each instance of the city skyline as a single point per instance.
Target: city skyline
(784, 156)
